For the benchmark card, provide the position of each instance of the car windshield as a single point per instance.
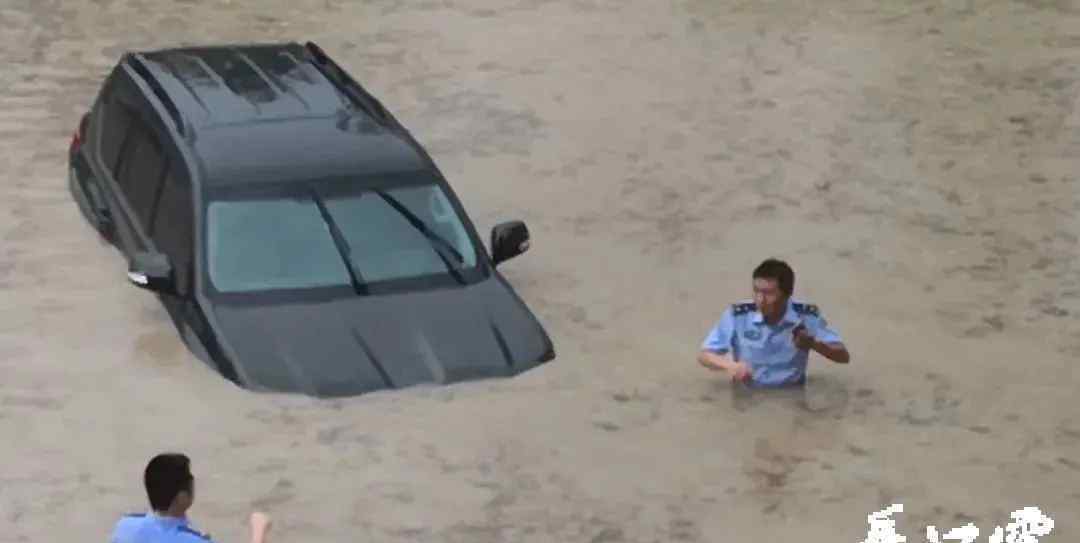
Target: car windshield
(310, 240)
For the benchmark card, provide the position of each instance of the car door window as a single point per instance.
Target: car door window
(141, 172)
(113, 132)
(174, 226)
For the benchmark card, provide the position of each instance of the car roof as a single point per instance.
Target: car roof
(310, 149)
(267, 112)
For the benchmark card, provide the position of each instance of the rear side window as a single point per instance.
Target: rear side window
(113, 131)
(141, 171)
(174, 227)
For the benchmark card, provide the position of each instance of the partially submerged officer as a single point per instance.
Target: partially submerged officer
(171, 489)
(766, 341)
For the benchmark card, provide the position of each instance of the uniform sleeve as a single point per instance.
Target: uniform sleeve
(123, 529)
(719, 338)
(188, 535)
(821, 330)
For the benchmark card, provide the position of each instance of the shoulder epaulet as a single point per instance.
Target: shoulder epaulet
(200, 535)
(740, 309)
(135, 515)
(805, 309)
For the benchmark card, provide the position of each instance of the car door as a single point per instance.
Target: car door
(95, 163)
(173, 226)
(102, 137)
(173, 231)
(128, 161)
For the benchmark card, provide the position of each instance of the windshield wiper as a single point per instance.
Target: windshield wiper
(342, 245)
(440, 245)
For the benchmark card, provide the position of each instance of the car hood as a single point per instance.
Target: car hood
(355, 345)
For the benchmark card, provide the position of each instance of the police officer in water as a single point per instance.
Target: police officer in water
(765, 342)
(171, 489)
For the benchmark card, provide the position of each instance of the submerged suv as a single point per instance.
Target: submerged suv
(299, 237)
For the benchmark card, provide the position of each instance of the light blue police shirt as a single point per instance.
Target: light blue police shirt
(768, 349)
(154, 528)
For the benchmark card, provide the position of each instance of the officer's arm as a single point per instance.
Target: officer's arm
(115, 537)
(834, 351)
(716, 360)
(260, 525)
(827, 342)
(716, 350)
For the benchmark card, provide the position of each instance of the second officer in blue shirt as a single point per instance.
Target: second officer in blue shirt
(171, 489)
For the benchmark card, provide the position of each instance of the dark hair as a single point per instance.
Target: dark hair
(167, 475)
(778, 270)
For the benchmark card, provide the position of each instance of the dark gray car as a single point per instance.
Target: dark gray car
(300, 238)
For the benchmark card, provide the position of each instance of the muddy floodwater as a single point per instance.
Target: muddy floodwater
(918, 163)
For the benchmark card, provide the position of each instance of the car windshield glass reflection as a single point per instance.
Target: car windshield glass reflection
(287, 243)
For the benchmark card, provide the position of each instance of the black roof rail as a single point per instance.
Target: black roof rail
(139, 65)
(347, 85)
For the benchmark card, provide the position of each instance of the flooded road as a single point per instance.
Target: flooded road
(917, 164)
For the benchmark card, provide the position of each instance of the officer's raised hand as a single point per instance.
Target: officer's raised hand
(260, 526)
(802, 338)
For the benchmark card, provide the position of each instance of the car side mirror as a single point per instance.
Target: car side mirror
(152, 271)
(508, 239)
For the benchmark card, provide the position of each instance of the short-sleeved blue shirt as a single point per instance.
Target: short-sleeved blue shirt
(154, 528)
(768, 349)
